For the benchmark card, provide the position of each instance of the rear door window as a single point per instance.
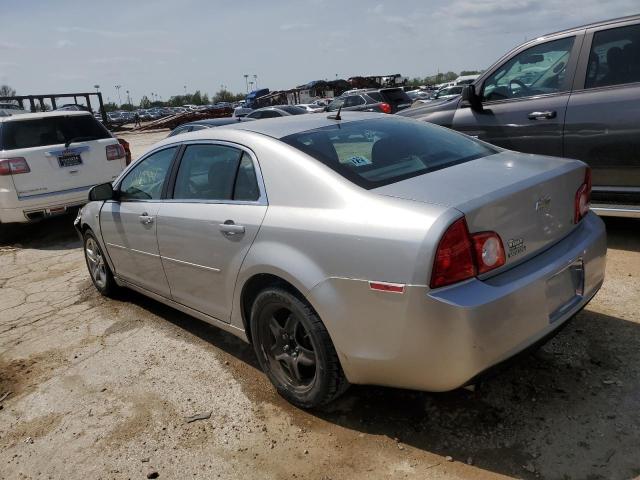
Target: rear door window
(614, 58)
(53, 130)
(207, 172)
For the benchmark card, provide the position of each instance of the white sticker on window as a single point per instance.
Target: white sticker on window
(358, 161)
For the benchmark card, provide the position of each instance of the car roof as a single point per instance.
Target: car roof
(33, 116)
(283, 126)
(584, 27)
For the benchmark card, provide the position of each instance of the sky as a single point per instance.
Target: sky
(59, 46)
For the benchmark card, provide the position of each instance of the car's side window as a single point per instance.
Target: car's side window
(270, 114)
(614, 58)
(145, 180)
(246, 186)
(538, 70)
(255, 115)
(207, 172)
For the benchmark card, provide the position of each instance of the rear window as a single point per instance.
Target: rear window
(41, 132)
(395, 95)
(376, 152)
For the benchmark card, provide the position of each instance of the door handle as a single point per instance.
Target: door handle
(145, 219)
(546, 115)
(229, 228)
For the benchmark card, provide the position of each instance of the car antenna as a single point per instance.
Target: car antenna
(337, 115)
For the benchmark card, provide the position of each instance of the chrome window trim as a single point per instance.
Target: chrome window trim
(189, 264)
(262, 199)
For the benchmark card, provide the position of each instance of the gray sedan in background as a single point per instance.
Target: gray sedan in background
(363, 248)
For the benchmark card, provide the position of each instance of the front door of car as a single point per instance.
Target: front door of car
(603, 119)
(207, 226)
(524, 100)
(129, 224)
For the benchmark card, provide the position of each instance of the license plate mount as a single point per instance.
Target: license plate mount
(565, 290)
(69, 160)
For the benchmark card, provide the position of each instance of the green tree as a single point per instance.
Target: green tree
(205, 99)
(145, 102)
(196, 98)
(224, 95)
(110, 107)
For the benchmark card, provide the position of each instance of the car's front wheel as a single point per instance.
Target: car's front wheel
(101, 274)
(294, 349)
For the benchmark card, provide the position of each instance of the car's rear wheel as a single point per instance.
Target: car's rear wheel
(101, 274)
(294, 349)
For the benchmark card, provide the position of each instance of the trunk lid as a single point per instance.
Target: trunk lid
(528, 200)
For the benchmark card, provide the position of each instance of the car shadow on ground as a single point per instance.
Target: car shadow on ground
(568, 410)
(55, 233)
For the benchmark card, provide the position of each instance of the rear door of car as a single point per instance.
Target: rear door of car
(602, 126)
(215, 208)
(53, 166)
(525, 98)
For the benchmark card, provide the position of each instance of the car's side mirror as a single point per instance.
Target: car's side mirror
(471, 98)
(102, 192)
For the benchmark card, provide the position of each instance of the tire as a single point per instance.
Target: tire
(99, 270)
(286, 332)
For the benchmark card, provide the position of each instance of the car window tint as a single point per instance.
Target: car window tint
(246, 186)
(270, 114)
(536, 71)
(335, 104)
(52, 130)
(377, 96)
(145, 180)
(615, 57)
(376, 152)
(207, 172)
(255, 115)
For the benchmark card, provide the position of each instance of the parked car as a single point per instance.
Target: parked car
(48, 162)
(372, 249)
(310, 108)
(385, 100)
(572, 93)
(201, 125)
(7, 109)
(241, 111)
(274, 111)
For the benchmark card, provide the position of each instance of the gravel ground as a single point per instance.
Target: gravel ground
(101, 389)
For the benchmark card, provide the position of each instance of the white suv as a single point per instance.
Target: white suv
(49, 161)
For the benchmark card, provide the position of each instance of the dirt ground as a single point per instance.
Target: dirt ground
(100, 389)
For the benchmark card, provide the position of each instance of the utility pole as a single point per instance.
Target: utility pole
(246, 81)
(255, 78)
(118, 87)
(128, 98)
(97, 87)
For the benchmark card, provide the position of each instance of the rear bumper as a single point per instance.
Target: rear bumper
(438, 340)
(34, 208)
(615, 210)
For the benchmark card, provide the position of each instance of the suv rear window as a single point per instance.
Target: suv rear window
(376, 152)
(395, 96)
(41, 132)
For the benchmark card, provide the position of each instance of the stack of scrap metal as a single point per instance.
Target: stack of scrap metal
(173, 121)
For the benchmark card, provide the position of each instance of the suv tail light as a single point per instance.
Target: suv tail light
(14, 166)
(115, 152)
(385, 107)
(461, 256)
(583, 198)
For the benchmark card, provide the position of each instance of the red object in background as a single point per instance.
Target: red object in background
(127, 150)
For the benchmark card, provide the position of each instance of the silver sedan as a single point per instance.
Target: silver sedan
(355, 248)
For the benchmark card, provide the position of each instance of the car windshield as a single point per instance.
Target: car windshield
(376, 152)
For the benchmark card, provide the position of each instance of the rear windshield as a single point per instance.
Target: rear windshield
(395, 95)
(376, 152)
(41, 132)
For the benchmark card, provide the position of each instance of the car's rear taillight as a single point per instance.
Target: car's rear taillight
(489, 251)
(14, 166)
(461, 255)
(583, 198)
(385, 107)
(454, 259)
(115, 152)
